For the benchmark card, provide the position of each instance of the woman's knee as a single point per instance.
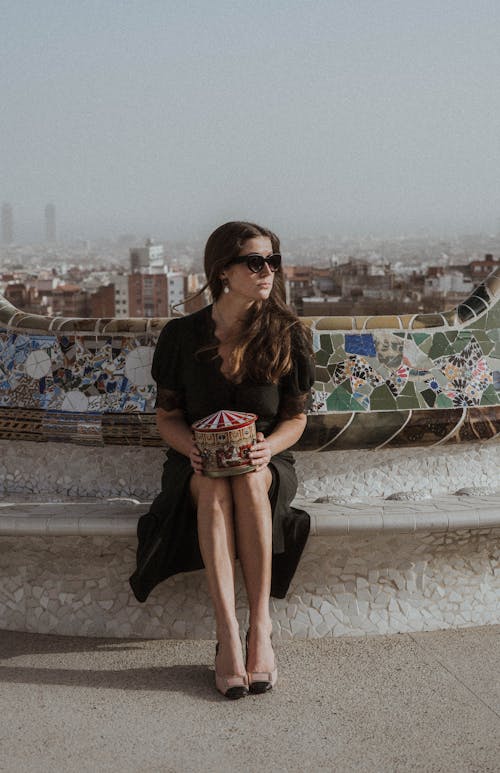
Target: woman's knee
(252, 485)
(211, 492)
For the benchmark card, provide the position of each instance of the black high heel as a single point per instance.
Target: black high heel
(261, 681)
(234, 686)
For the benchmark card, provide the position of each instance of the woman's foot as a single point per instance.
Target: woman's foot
(230, 674)
(260, 661)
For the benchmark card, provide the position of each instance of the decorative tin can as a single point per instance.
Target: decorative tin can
(224, 439)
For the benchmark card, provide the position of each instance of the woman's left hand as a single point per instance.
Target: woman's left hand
(260, 453)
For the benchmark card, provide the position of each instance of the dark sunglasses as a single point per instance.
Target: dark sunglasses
(256, 262)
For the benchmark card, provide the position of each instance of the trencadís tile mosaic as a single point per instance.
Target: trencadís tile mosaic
(413, 380)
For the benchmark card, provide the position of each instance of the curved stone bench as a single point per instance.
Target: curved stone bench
(377, 566)
(117, 517)
(77, 423)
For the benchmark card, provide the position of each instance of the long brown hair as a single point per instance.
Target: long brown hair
(263, 347)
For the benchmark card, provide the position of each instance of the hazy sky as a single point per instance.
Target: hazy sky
(320, 116)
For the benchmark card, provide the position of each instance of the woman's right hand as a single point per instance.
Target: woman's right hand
(195, 459)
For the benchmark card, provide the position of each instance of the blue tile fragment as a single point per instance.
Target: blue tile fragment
(360, 344)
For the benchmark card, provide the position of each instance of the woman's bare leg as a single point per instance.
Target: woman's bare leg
(213, 497)
(253, 524)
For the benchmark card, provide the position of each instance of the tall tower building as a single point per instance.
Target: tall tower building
(143, 259)
(7, 224)
(50, 223)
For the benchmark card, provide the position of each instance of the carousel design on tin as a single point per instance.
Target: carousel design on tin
(224, 439)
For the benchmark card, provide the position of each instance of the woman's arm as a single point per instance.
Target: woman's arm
(284, 435)
(175, 431)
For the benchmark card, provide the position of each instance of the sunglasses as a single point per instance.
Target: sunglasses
(256, 262)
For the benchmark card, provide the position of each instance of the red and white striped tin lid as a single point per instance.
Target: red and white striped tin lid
(223, 420)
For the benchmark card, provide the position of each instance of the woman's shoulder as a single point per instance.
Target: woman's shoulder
(301, 337)
(190, 323)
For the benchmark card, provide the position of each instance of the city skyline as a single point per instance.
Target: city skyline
(318, 118)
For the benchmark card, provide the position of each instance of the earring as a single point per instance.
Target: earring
(225, 283)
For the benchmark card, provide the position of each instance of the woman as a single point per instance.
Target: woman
(245, 352)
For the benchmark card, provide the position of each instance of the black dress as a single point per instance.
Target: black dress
(167, 535)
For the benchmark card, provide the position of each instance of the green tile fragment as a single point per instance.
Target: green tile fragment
(478, 324)
(346, 385)
(429, 396)
(322, 357)
(382, 399)
(419, 338)
(337, 340)
(409, 391)
(407, 402)
(440, 346)
(490, 396)
(341, 400)
(326, 343)
(442, 401)
(426, 344)
(484, 341)
(322, 374)
(339, 355)
(493, 320)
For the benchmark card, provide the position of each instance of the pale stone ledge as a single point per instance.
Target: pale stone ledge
(118, 517)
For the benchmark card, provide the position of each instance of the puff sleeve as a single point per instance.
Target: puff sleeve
(296, 386)
(166, 368)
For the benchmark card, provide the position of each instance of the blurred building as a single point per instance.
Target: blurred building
(144, 258)
(18, 294)
(479, 269)
(121, 285)
(195, 300)
(177, 289)
(67, 300)
(148, 295)
(102, 302)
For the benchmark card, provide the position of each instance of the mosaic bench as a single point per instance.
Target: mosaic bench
(398, 381)
(375, 567)
(77, 424)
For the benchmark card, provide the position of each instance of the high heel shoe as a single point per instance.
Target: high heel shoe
(261, 681)
(233, 687)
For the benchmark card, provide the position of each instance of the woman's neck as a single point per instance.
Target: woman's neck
(228, 314)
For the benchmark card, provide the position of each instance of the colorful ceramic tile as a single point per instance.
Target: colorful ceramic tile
(428, 320)
(414, 357)
(322, 357)
(440, 346)
(406, 402)
(334, 323)
(389, 348)
(339, 355)
(326, 343)
(425, 344)
(382, 399)
(342, 400)
(489, 396)
(381, 322)
(360, 344)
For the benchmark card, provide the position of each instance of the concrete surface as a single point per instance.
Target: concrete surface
(407, 702)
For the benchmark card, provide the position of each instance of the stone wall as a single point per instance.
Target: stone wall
(347, 586)
(67, 470)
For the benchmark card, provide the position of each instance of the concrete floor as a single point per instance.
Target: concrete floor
(408, 702)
